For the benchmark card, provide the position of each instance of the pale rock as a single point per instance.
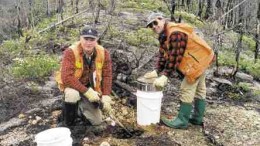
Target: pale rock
(34, 122)
(113, 123)
(222, 81)
(124, 111)
(21, 116)
(38, 118)
(244, 77)
(104, 143)
(86, 139)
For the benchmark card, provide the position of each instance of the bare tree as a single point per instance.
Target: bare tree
(257, 34)
(227, 18)
(31, 16)
(59, 9)
(209, 10)
(239, 42)
(19, 25)
(112, 6)
(188, 2)
(216, 47)
(48, 12)
(219, 11)
(96, 7)
(77, 6)
(201, 5)
(173, 5)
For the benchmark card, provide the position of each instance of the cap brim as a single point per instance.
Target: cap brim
(150, 22)
(89, 36)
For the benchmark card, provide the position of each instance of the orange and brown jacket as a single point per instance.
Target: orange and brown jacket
(183, 50)
(74, 73)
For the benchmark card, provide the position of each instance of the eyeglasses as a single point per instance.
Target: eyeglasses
(154, 23)
(89, 39)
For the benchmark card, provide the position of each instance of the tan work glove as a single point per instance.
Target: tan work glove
(160, 82)
(106, 100)
(152, 74)
(92, 95)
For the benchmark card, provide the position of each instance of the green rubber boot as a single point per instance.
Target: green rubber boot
(182, 120)
(198, 114)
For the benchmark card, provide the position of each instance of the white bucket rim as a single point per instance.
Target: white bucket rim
(62, 133)
(159, 94)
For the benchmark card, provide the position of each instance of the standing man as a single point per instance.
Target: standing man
(85, 78)
(181, 51)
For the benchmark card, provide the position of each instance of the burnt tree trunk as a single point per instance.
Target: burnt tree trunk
(257, 37)
(239, 43)
(219, 10)
(112, 6)
(188, 4)
(98, 11)
(173, 5)
(77, 6)
(48, 12)
(200, 8)
(209, 10)
(59, 9)
(19, 25)
(257, 46)
(31, 16)
(227, 17)
(216, 47)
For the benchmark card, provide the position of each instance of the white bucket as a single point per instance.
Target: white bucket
(148, 107)
(54, 137)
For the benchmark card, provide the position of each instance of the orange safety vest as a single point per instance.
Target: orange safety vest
(97, 75)
(198, 54)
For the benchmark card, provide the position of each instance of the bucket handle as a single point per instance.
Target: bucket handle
(153, 109)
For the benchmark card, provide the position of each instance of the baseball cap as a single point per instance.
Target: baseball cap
(89, 32)
(153, 16)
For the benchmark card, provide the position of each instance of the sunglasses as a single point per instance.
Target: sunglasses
(154, 23)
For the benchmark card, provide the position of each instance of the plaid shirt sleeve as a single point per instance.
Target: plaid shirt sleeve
(107, 75)
(169, 59)
(160, 61)
(67, 72)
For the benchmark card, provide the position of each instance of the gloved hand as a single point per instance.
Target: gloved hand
(160, 82)
(92, 95)
(106, 101)
(152, 74)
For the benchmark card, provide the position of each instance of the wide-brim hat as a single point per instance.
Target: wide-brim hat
(153, 16)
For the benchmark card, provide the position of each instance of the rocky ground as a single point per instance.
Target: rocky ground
(231, 118)
(227, 121)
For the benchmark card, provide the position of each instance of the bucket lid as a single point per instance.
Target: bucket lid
(52, 135)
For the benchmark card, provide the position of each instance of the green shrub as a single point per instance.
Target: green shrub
(246, 63)
(244, 86)
(113, 32)
(190, 18)
(34, 67)
(46, 22)
(256, 92)
(142, 36)
(11, 46)
(249, 41)
(141, 5)
(226, 58)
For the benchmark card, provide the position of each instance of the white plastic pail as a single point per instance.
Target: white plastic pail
(148, 107)
(54, 137)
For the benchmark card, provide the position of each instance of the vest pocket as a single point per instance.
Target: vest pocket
(189, 65)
